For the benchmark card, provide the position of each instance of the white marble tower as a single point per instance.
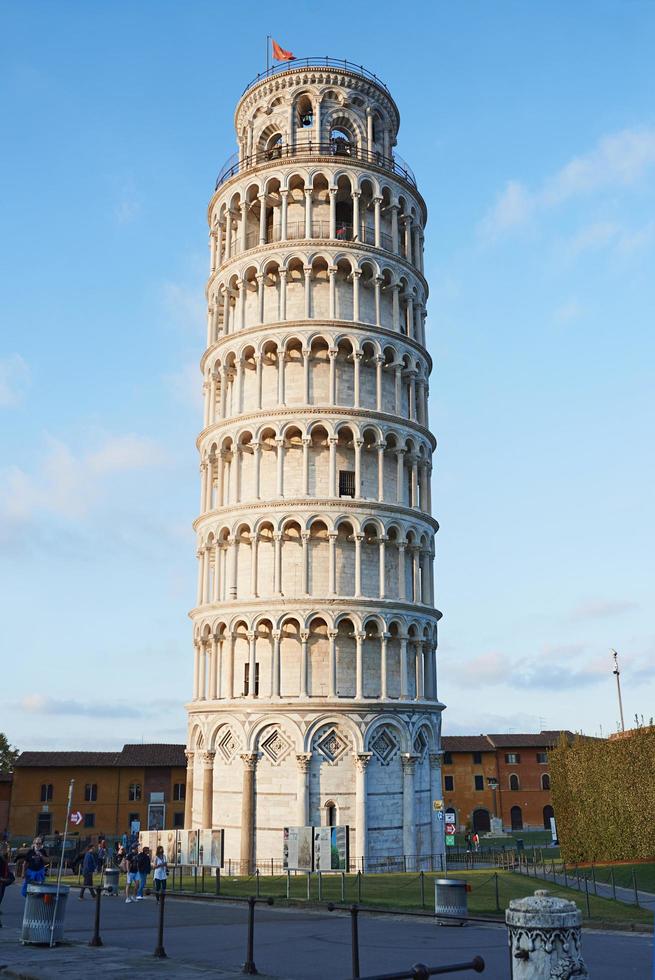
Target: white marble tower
(315, 630)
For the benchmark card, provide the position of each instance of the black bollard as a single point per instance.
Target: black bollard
(95, 938)
(354, 936)
(249, 965)
(160, 952)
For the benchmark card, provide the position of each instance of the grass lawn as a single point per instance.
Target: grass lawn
(488, 895)
(644, 873)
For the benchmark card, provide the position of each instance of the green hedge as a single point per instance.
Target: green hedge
(604, 797)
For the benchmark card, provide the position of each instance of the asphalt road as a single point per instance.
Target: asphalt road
(299, 944)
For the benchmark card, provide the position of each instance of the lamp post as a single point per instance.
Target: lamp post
(617, 674)
(492, 783)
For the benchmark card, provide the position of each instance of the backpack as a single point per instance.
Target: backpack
(35, 861)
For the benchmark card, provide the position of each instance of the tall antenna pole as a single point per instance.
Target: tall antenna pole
(268, 53)
(617, 674)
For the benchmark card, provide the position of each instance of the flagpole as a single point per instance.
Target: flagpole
(61, 862)
(268, 53)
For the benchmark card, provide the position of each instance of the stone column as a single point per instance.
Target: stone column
(232, 576)
(229, 679)
(357, 444)
(308, 212)
(254, 555)
(252, 663)
(228, 236)
(284, 194)
(304, 571)
(395, 244)
(333, 211)
(262, 218)
(280, 468)
(437, 842)
(409, 809)
(196, 670)
(259, 367)
(377, 203)
(304, 760)
(356, 223)
(356, 274)
(275, 686)
(306, 443)
(402, 589)
(382, 540)
(283, 294)
(384, 687)
(379, 361)
(306, 367)
(395, 307)
(213, 658)
(400, 473)
(360, 636)
(361, 760)
(277, 562)
(304, 639)
(200, 555)
(332, 663)
(332, 273)
(332, 563)
(359, 537)
(188, 798)
(332, 354)
(249, 760)
(420, 670)
(307, 269)
(207, 789)
(332, 467)
(380, 448)
(404, 672)
(257, 455)
(243, 207)
(280, 376)
(545, 938)
(260, 298)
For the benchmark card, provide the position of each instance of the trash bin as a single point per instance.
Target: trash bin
(450, 901)
(110, 880)
(520, 846)
(41, 907)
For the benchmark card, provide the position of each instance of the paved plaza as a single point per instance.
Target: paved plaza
(295, 944)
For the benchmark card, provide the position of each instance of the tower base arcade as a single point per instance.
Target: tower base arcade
(375, 769)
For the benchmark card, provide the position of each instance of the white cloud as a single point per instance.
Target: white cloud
(618, 160)
(69, 485)
(602, 608)
(128, 204)
(14, 379)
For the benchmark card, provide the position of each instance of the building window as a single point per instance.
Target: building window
(479, 782)
(246, 680)
(134, 792)
(179, 792)
(447, 758)
(330, 814)
(90, 792)
(89, 819)
(132, 817)
(542, 758)
(449, 783)
(516, 818)
(545, 781)
(513, 758)
(46, 792)
(43, 824)
(514, 781)
(178, 820)
(346, 483)
(477, 758)
(548, 813)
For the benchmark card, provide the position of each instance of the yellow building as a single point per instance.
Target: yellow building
(111, 790)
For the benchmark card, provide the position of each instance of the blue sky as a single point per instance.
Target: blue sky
(531, 130)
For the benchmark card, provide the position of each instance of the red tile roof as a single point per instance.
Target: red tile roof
(143, 756)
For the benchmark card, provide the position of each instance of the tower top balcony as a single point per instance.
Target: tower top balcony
(339, 149)
(318, 62)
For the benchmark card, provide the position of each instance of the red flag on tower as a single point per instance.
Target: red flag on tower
(280, 54)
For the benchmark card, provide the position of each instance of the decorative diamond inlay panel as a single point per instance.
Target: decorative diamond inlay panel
(276, 746)
(227, 746)
(420, 745)
(332, 745)
(384, 746)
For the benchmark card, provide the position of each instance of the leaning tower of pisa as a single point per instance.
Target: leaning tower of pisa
(315, 630)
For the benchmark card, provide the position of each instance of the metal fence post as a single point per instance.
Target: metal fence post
(343, 886)
(320, 887)
(565, 878)
(95, 938)
(634, 883)
(257, 882)
(288, 883)
(218, 881)
(613, 883)
(309, 885)
(586, 891)
(496, 890)
(359, 886)
(354, 938)
(160, 952)
(195, 877)
(593, 878)
(202, 879)
(422, 877)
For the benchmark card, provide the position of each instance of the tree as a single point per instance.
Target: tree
(8, 754)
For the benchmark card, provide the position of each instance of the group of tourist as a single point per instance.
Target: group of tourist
(136, 863)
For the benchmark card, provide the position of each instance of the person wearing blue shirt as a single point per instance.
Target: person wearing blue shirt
(88, 867)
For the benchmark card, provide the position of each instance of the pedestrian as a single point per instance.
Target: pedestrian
(132, 882)
(145, 867)
(101, 855)
(119, 856)
(476, 841)
(35, 865)
(89, 865)
(7, 877)
(161, 872)
(467, 841)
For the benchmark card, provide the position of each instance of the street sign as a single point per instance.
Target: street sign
(450, 816)
(76, 818)
(450, 828)
(450, 840)
(437, 805)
